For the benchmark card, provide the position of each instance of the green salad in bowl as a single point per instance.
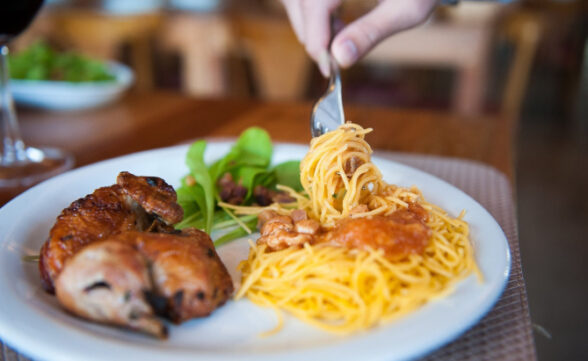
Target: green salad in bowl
(44, 77)
(42, 62)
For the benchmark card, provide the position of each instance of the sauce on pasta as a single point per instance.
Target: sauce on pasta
(398, 235)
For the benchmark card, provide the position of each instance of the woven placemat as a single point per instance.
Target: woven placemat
(505, 333)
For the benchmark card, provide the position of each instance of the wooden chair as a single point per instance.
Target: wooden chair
(523, 30)
(203, 41)
(459, 38)
(281, 67)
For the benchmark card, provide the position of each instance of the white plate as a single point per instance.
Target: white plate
(63, 95)
(32, 322)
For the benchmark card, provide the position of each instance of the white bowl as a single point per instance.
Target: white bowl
(131, 7)
(63, 95)
(195, 5)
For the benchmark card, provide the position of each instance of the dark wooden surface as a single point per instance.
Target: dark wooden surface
(149, 120)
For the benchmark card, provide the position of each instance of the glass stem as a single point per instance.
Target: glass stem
(13, 148)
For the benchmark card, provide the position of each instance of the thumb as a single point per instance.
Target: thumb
(389, 17)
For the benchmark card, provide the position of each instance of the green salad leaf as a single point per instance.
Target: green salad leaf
(235, 233)
(41, 62)
(248, 163)
(253, 148)
(203, 191)
(288, 174)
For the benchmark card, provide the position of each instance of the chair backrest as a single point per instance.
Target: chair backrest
(280, 64)
(524, 31)
(202, 41)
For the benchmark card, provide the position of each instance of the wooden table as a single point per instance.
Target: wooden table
(149, 120)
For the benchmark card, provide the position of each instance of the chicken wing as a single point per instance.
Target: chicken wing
(154, 195)
(135, 203)
(186, 271)
(106, 282)
(114, 257)
(126, 278)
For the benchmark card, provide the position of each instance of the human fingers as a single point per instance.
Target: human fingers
(294, 11)
(389, 17)
(310, 21)
(317, 27)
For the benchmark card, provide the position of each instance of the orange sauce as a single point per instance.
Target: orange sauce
(399, 234)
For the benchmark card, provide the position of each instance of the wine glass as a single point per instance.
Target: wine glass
(21, 166)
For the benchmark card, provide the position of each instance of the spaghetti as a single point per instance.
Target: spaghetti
(342, 289)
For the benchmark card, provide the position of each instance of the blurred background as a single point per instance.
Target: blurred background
(527, 61)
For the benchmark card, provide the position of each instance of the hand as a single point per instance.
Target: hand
(311, 22)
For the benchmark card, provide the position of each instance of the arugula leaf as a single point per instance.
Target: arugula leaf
(253, 148)
(234, 234)
(220, 220)
(267, 180)
(248, 177)
(193, 201)
(288, 174)
(198, 169)
(230, 222)
(192, 220)
(186, 200)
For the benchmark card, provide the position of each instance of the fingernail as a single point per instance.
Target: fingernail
(346, 53)
(323, 63)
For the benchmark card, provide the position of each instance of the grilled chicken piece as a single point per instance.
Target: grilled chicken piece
(188, 276)
(106, 282)
(135, 203)
(154, 195)
(180, 275)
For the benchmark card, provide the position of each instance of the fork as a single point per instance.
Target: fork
(327, 113)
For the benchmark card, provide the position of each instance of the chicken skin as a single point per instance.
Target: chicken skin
(127, 278)
(134, 203)
(154, 195)
(106, 282)
(186, 272)
(114, 257)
